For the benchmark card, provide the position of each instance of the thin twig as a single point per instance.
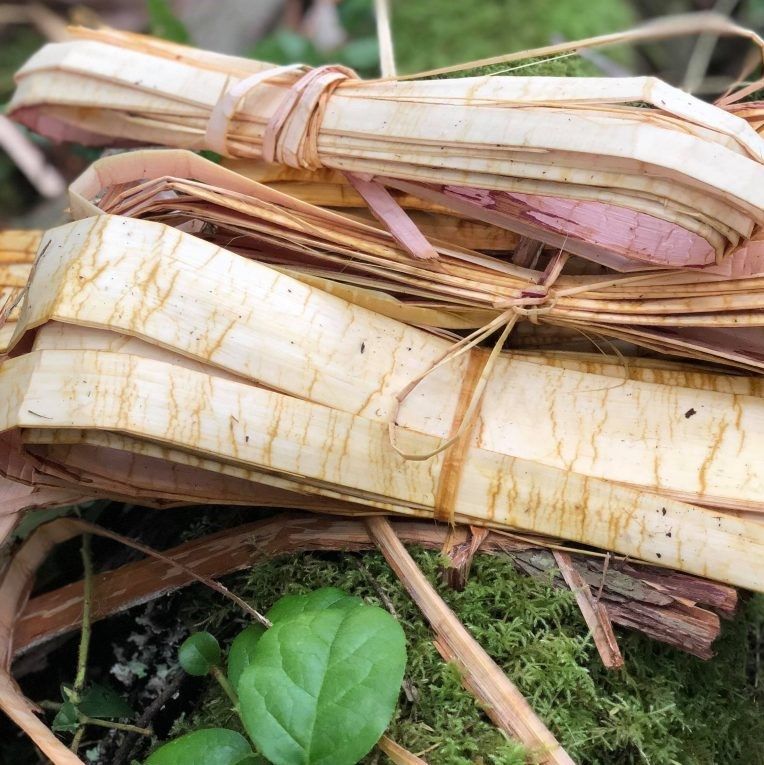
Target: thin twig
(381, 594)
(87, 606)
(595, 615)
(130, 741)
(211, 583)
(84, 649)
(605, 567)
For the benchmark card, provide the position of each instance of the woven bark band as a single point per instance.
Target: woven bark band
(291, 134)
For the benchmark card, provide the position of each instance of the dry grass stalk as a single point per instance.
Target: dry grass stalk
(502, 702)
(398, 754)
(594, 613)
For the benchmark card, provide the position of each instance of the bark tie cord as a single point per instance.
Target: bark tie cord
(291, 138)
(479, 367)
(291, 135)
(534, 303)
(450, 473)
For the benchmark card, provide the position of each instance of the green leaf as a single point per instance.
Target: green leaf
(326, 597)
(210, 746)
(102, 702)
(241, 652)
(66, 719)
(164, 23)
(323, 685)
(199, 654)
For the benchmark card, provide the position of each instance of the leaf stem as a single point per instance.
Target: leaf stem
(77, 740)
(85, 720)
(219, 675)
(211, 583)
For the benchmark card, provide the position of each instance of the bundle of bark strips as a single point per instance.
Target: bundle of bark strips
(628, 172)
(149, 341)
(697, 315)
(305, 330)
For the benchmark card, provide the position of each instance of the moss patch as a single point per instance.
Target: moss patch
(664, 708)
(444, 32)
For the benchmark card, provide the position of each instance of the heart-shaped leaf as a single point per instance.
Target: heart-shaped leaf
(323, 685)
(66, 719)
(210, 746)
(102, 702)
(241, 652)
(199, 653)
(326, 597)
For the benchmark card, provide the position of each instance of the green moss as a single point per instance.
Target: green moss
(444, 32)
(664, 708)
(551, 66)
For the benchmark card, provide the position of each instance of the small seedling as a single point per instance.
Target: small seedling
(319, 686)
(200, 654)
(96, 705)
(86, 704)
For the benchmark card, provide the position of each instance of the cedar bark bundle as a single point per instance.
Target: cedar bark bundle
(331, 190)
(148, 363)
(698, 315)
(172, 352)
(627, 172)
